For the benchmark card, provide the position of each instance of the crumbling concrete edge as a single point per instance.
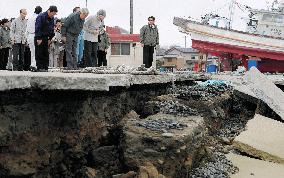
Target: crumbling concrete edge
(91, 82)
(257, 153)
(15, 82)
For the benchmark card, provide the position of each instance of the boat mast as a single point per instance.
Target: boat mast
(231, 13)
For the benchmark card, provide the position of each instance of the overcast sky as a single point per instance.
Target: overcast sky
(118, 12)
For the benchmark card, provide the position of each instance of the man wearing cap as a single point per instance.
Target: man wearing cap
(71, 29)
(44, 32)
(31, 36)
(92, 29)
(18, 37)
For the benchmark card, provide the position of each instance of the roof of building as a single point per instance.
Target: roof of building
(188, 50)
(116, 38)
(160, 52)
(183, 50)
(118, 35)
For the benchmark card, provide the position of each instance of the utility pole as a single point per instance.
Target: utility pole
(231, 13)
(131, 16)
(86, 3)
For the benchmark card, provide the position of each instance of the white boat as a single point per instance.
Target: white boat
(264, 38)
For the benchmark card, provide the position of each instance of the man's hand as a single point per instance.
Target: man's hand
(157, 47)
(49, 42)
(39, 42)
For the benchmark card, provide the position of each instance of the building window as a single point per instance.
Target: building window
(200, 57)
(170, 60)
(273, 18)
(125, 48)
(192, 57)
(267, 17)
(115, 49)
(120, 49)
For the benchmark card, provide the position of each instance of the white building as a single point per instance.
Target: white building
(125, 48)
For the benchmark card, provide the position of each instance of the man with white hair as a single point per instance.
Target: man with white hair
(92, 27)
(70, 32)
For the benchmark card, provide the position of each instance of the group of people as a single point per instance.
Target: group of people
(53, 42)
(70, 42)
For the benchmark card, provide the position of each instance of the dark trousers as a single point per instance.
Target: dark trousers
(27, 59)
(90, 53)
(71, 55)
(18, 51)
(41, 54)
(148, 52)
(102, 61)
(4, 55)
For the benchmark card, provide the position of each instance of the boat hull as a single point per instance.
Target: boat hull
(218, 40)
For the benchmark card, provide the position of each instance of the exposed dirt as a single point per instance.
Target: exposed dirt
(140, 132)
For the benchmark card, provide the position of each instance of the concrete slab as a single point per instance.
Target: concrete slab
(238, 79)
(263, 138)
(253, 168)
(266, 90)
(83, 81)
(260, 86)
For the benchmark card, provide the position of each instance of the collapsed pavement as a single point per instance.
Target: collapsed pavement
(119, 126)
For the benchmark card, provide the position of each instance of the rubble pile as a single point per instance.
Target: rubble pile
(175, 108)
(200, 91)
(162, 125)
(218, 167)
(168, 142)
(235, 122)
(120, 69)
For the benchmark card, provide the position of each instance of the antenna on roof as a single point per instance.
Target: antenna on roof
(231, 13)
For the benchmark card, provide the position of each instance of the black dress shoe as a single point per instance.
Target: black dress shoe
(33, 69)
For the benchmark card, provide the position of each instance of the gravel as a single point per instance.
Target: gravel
(175, 108)
(120, 69)
(232, 128)
(162, 125)
(200, 92)
(217, 167)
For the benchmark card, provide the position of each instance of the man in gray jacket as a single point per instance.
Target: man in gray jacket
(70, 32)
(92, 28)
(18, 37)
(149, 39)
(104, 44)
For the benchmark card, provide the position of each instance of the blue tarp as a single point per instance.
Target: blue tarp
(215, 82)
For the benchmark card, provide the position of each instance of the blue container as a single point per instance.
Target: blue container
(252, 63)
(162, 69)
(211, 68)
